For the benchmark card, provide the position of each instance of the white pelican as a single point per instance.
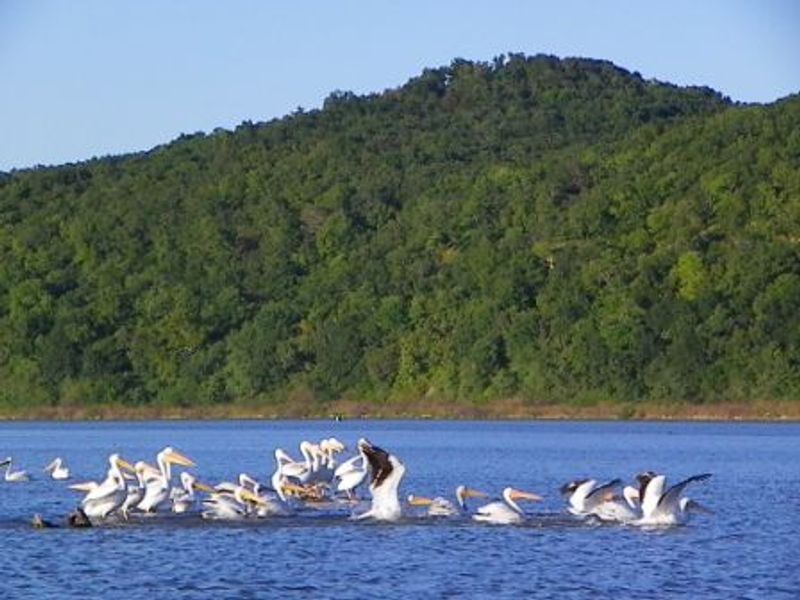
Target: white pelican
(281, 484)
(230, 505)
(57, 469)
(626, 509)
(157, 486)
(14, 476)
(328, 449)
(351, 474)
(617, 509)
(302, 472)
(586, 495)
(183, 497)
(387, 472)
(507, 511)
(278, 477)
(442, 507)
(102, 499)
(244, 480)
(135, 490)
(267, 505)
(665, 508)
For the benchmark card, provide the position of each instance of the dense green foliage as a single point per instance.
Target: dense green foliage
(554, 230)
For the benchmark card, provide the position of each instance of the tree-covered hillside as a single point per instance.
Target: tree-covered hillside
(544, 229)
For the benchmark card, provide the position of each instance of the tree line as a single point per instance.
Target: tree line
(530, 227)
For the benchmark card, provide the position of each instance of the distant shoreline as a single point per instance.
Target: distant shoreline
(496, 411)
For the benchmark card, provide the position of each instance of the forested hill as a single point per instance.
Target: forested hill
(544, 229)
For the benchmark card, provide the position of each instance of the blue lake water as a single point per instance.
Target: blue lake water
(750, 547)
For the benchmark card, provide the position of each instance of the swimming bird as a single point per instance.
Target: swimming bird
(14, 476)
(103, 499)
(625, 509)
(664, 508)
(278, 478)
(328, 449)
(157, 485)
(507, 511)
(442, 507)
(386, 474)
(244, 480)
(135, 490)
(78, 519)
(617, 509)
(268, 505)
(351, 474)
(40, 523)
(301, 471)
(584, 496)
(183, 497)
(230, 505)
(57, 469)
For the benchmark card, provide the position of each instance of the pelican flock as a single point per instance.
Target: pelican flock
(319, 480)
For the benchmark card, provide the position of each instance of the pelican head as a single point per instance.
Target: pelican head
(248, 482)
(189, 481)
(332, 446)
(199, 486)
(243, 495)
(54, 464)
(119, 463)
(174, 457)
(5, 462)
(282, 457)
(86, 486)
(144, 471)
(512, 496)
(463, 493)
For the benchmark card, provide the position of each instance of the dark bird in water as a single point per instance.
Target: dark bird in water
(78, 518)
(39, 523)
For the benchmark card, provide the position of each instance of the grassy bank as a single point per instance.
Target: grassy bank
(423, 409)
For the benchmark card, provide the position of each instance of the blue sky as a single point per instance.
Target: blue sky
(88, 78)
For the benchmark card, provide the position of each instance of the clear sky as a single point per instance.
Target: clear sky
(86, 78)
